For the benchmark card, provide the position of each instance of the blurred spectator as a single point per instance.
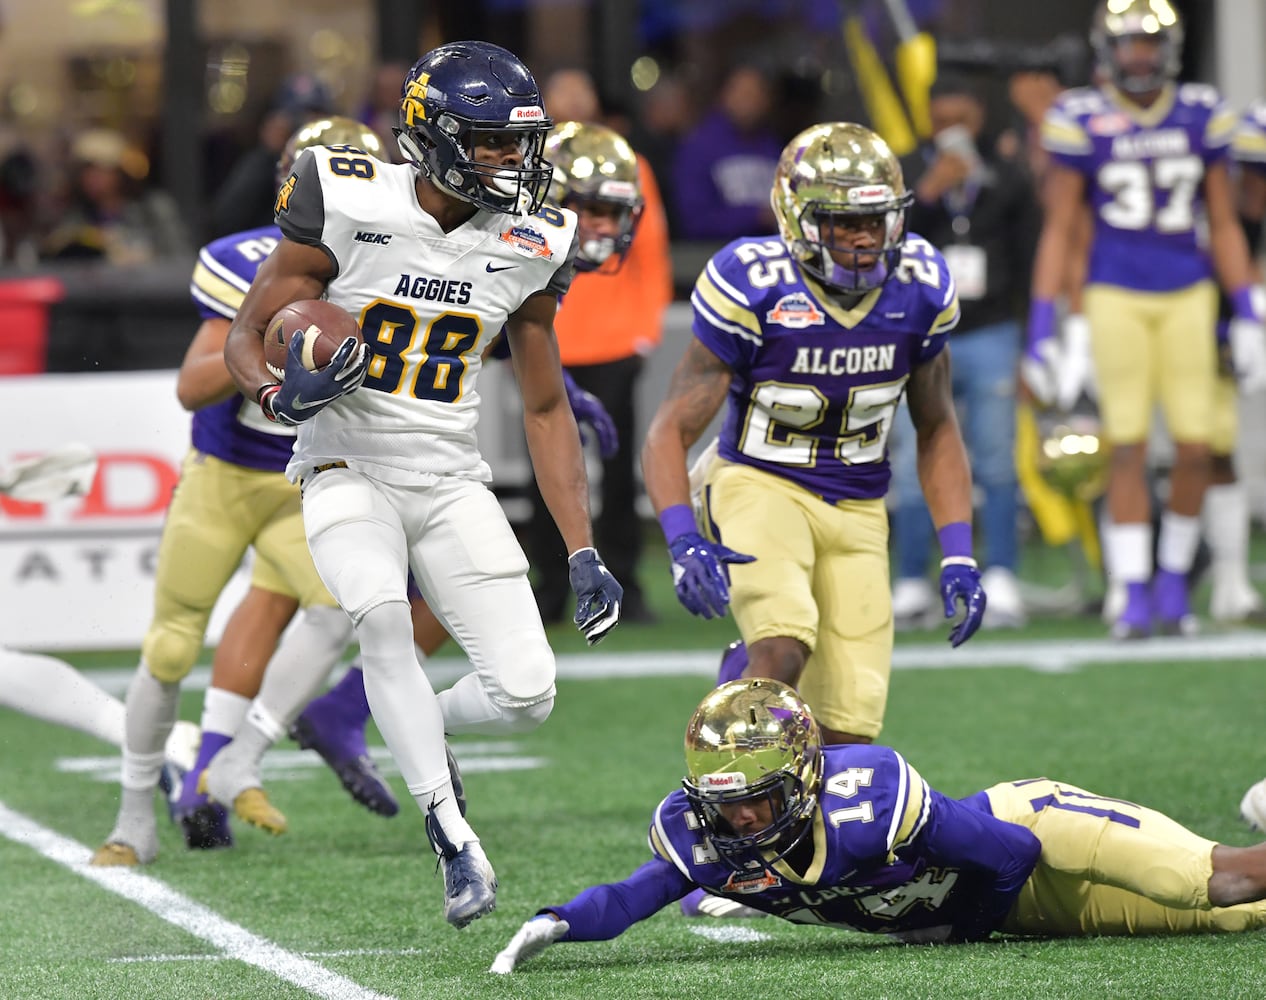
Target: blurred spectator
(980, 211)
(610, 319)
(656, 132)
(19, 185)
(381, 110)
(111, 215)
(245, 199)
(724, 167)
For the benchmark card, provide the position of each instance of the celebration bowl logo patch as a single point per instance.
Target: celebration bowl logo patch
(749, 882)
(527, 241)
(795, 311)
(1108, 123)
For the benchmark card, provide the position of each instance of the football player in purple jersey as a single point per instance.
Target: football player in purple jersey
(813, 335)
(1149, 157)
(853, 837)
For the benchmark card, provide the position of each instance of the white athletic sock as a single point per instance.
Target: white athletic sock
(1226, 529)
(1128, 548)
(223, 711)
(152, 706)
(1179, 538)
(259, 719)
(54, 691)
(303, 661)
(408, 714)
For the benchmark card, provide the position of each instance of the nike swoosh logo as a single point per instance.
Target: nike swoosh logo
(307, 404)
(494, 270)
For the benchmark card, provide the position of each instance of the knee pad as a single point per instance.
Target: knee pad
(525, 677)
(171, 647)
(524, 718)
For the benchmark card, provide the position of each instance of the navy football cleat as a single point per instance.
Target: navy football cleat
(470, 886)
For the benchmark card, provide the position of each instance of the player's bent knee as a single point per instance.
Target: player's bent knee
(331, 622)
(170, 652)
(525, 718)
(528, 676)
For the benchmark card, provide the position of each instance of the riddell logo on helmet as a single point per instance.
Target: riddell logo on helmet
(870, 195)
(526, 114)
(723, 780)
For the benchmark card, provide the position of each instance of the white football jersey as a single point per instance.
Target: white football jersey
(428, 303)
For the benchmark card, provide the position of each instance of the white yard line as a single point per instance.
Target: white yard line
(1044, 655)
(340, 953)
(171, 906)
(728, 933)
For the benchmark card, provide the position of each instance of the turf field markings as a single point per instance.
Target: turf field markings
(179, 910)
(729, 935)
(339, 953)
(1044, 655)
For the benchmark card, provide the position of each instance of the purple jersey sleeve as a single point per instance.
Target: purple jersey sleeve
(604, 911)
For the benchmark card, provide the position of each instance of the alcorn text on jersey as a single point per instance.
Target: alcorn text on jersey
(428, 303)
(815, 385)
(1144, 171)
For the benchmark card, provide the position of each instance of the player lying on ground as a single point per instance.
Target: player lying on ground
(851, 836)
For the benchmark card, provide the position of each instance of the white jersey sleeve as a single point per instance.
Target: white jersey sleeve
(428, 303)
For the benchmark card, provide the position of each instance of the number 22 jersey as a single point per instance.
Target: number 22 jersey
(815, 386)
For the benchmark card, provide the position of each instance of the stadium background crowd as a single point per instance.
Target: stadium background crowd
(134, 131)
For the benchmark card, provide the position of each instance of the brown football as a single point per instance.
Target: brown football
(324, 326)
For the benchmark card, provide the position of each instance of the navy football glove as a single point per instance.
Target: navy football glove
(701, 575)
(588, 409)
(305, 393)
(961, 582)
(598, 594)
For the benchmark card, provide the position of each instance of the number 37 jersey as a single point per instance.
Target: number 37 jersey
(428, 303)
(1144, 171)
(815, 386)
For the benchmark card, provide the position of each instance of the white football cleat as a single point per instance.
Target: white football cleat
(912, 601)
(1234, 601)
(1006, 606)
(1253, 806)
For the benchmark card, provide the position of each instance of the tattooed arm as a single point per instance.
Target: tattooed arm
(697, 390)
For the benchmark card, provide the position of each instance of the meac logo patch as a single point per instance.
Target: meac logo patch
(796, 312)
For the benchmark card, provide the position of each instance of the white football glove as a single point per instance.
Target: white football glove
(1248, 353)
(1039, 367)
(63, 472)
(532, 939)
(1076, 370)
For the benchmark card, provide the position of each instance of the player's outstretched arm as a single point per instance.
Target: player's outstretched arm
(695, 394)
(599, 913)
(558, 461)
(946, 480)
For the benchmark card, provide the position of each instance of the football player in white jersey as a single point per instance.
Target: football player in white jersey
(433, 257)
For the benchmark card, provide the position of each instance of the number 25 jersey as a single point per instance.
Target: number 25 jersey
(815, 386)
(428, 303)
(1144, 171)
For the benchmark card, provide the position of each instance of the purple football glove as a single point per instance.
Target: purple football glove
(961, 582)
(588, 409)
(701, 574)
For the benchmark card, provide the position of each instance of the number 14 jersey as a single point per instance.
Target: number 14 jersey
(815, 386)
(1144, 170)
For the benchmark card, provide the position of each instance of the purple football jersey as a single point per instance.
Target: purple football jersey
(1249, 145)
(815, 385)
(235, 430)
(1144, 171)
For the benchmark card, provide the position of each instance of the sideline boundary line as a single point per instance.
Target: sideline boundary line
(193, 918)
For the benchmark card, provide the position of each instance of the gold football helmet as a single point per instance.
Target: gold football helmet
(753, 739)
(1119, 19)
(1072, 455)
(835, 175)
(595, 165)
(330, 131)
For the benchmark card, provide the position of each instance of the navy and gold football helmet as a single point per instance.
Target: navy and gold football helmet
(332, 130)
(836, 175)
(1116, 20)
(455, 95)
(594, 165)
(753, 740)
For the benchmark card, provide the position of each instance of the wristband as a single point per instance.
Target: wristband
(265, 395)
(1249, 302)
(955, 541)
(677, 520)
(1041, 320)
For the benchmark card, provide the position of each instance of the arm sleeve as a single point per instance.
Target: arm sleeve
(602, 912)
(1002, 855)
(561, 281)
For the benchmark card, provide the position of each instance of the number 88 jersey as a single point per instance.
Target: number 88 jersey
(815, 386)
(428, 303)
(1144, 171)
